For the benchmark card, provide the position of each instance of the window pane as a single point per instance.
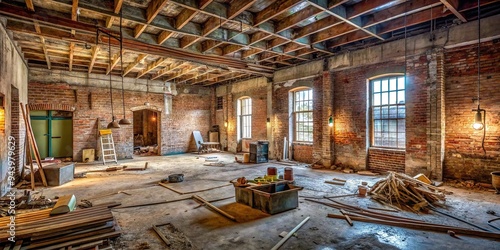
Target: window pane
(401, 111)
(376, 113)
(376, 86)
(385, 85)
(392, 84)
(376, 99)
(377, 125)
(385, 126)
(401, 83)
(401, 97)
(385, 112)
(401, 125)
(385, 98)
(392, 97)
(393, 112)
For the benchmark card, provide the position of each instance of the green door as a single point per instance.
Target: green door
(41, 131)
(62, 138)
(53, 133)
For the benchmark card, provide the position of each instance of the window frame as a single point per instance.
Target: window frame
(300, 116)
(219, 103)
(245, 118)
(395, 120)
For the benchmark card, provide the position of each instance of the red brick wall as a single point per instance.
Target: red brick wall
(464, 157)
(382, 160)
(190, 112)
(303, 153)
(280, 124)
(254, 89)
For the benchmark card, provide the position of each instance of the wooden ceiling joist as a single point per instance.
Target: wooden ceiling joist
(30, 5)
(185, 71)
(44, 46)
(151, 66)
(168, 69)
(132, 65)
(154, 7)
(114, 61)
(95, 53)
(74, 13)
(110, 19)
(452, 5)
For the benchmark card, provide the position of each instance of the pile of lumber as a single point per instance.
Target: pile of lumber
(80, 229)
(405, 192)
(353, 213)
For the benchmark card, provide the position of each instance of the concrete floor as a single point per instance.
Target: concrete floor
(255, 229)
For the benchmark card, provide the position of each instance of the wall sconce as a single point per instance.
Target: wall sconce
(1, 102)
(330, 121)
(225, 124)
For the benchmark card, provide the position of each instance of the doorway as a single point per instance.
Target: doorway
(146, 132)
(53, 133)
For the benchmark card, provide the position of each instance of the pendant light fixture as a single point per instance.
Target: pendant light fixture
(123, 121)
(479, 118)
(113, 123)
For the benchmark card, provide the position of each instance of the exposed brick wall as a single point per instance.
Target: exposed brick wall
(303, 152)
(281, 120)
(464, 157)
(383, 160)
(256, 90)
(190, 112)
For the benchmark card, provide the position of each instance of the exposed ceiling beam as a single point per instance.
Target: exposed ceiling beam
(238, 6)
(204, 3)
(452, 5)
(74, 13)
(151, 66)
(116, 58)
(274, 10)
(164, 36)
(184, 17)
(132, 65)
(44, 46)
(364, 7)
(116, 10)
(399, 11)
(290, 21)
(95, 52)
(29, 5)
(71, 51)
(185, 71)
(317, 26)
(168, 69)
(197, 76)
(154, 7)
(210, 76)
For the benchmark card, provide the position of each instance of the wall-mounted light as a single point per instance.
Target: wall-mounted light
(330, 121)
(225, 124)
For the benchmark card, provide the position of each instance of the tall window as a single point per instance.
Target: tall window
(303, 115)
(388, 111)
(245, 117)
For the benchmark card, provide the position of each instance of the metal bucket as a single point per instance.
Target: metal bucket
(495, 180)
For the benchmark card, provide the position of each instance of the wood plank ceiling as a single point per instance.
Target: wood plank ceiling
(211, 41)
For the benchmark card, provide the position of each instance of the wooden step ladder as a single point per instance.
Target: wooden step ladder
(107, 146)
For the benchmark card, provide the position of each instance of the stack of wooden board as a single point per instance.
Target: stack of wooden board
(79, 229)
(404, 191)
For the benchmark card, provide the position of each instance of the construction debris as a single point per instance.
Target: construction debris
(282, 241)
(404, 191)
(77, 229)
(367, 173)
(206, 203)
(335, 183)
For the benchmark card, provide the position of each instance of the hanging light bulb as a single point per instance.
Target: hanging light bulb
(113, 123)
(478, 121)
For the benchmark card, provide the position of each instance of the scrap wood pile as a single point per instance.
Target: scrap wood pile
(403, 191)
(80, 229)
(353, 213)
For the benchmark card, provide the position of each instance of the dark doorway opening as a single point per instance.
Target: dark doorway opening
(146, 132)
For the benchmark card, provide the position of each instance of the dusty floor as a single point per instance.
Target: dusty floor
(255, 229)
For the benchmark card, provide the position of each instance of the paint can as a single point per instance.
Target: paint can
(362, 190)
(273, 171)
(288, 173)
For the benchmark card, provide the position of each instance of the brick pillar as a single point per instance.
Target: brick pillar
(436, 108)
(327, 149)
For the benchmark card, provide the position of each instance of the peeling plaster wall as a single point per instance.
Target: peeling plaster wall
(13, 74)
